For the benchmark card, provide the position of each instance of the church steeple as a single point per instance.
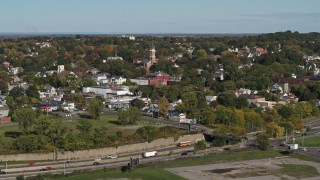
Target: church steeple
(152, 56)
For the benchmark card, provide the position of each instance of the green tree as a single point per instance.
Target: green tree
(84, 126)
(100, 136)
(227, 99)
(137, 103)
(16, 92)
(42, 125)
(263, 141)
(32, 91)
(200, 145)
(79, 100)
(208, 117)
(3, 86)
(95, 108)
(129, 116)
(25, 117)
(147, 132)
(57, 132)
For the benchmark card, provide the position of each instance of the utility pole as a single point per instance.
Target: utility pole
(286, 136)
(64, 165)
(206, 148)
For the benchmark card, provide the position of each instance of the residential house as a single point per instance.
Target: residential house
(266, 104)
(6, 64)
(4, 112)
(140, 81)
(242, 91)
(15, 79)
(93, 71)
(100, 78)
(114, 58)
(48, 91)
(117, 80)
(158, 78)
(293, 81)
(15, 70)
(253, 99)
(288, 97)
(260, 51)
(68, 106)
(209, 99)
(174, 79)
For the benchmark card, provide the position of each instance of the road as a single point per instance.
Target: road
(164, 154)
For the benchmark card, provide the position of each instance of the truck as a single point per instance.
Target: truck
(293, 146)
(149, 154)
(188, 121)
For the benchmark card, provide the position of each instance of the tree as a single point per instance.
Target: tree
(16, 92)
(263, 141)
(201, 53)
(42, 125)
(163, 106)
(57, 133)
(25, 117)
(298, 124)
(200, 145)
(95, 108)
(100, 136)
(253, 120)
(79, 100)
(137, 103)
(3, 86)
(32, 91)
(84, 126)
(273, 130)
(227, 99)
(129, 116)
(147, 132)
(208, 117)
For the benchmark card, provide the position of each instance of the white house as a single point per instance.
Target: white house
(100, 78)
(48, 91)
(118, 80)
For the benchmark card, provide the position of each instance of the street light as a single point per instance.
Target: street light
(206, 148)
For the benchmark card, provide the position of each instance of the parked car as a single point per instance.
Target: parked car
(303, 149)
(184, 153)
(31, 164)
(112, 156)
(96, 163)
(283, 144)
(47, 169)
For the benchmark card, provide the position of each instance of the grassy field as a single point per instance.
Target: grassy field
(158, 172)
(308, 141)
(298, 170)
(109, 121)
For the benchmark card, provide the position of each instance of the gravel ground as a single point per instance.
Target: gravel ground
(253, 169)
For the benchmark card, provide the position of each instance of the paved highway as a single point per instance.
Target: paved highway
(60, 167)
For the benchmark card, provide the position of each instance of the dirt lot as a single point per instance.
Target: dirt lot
(263, 169)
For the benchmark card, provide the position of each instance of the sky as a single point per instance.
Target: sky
(159, 16)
